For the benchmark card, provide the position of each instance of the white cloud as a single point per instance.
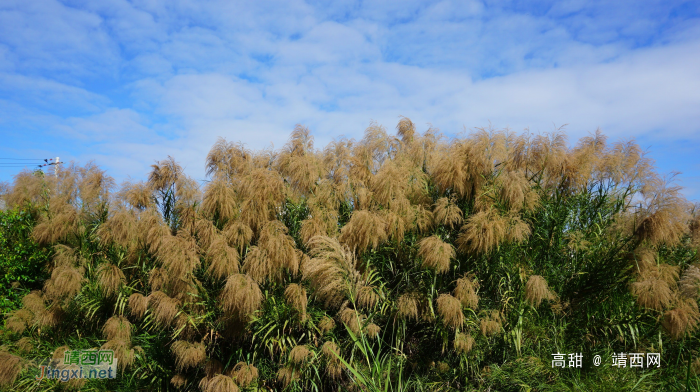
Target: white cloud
(131, 82)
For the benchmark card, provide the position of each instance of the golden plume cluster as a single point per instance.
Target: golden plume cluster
(379, 234)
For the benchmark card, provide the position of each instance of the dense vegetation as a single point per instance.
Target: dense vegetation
(407, 262)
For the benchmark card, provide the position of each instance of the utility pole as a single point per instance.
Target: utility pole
(55, 169)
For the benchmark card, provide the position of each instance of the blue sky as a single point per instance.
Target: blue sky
(126, 83)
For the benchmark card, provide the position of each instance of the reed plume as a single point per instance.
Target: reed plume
(326, 324)
(683, 319)
(10, 368)
(241, 296)
(223, 259)
(483, 232)
(244, 374)
(332, 271)
(238, 234)
(219, 200)
(463, 343)
(138, 304)
(436, 254)
(466, 292)
(407, 305)
(163, 307)
(491, 324)
(295, 295)
(689, 284)
(652, 290)
(536, 290)
(219, 383)
(276, 251)
(334, 366)
(65, 283)
(117, 328)
(111, 278)
(447, 213)
(364, 230)
(450, 309)
(187, 354)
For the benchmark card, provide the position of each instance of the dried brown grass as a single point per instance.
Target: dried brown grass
(223, 259)
(295, 296)
(111, 278)
(683, 319)
(365, 230)
(447, 213)
(10, 368)
(689, 284)
(463, 343)
(407, 305)
(491, 324)
(536, 290)
(436, 253)
(466, 292)
(117, 328)
(450, 309)
(187, 354)
(326, 324)
(219, 383)
(241, 296)
(244, 374)
(138, 304)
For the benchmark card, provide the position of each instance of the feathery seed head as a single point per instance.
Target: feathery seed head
(220, 383)
(223, 259)
(466, 292)
(326, 324)
(244, 374)
(188, 355)
(689, 284)
(138, 304)
(536, 290)
(117, 328)
(373, 330)
(299, 355)
(241, 296)
(178, 381)
(408, 306)
(463, 343)
(436, 254)
(683, 319)
(450, 309)
(111, 278)
(446, 213)
(295, 295)
(10, 368)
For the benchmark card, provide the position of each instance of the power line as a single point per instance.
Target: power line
(24, 159)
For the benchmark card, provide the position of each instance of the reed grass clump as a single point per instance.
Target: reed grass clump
(412, 242)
